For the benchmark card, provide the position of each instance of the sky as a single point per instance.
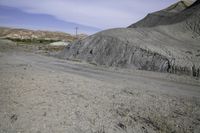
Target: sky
(89, 16)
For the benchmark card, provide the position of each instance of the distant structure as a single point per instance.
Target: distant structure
(76, 31)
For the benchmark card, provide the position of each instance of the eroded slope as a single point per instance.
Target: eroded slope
(171, 48)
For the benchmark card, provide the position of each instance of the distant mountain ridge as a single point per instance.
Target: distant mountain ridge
(25, 34)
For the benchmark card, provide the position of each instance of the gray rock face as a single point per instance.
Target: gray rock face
(109, 51)
(173, 48)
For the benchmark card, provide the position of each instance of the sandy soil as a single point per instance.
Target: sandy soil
(40, 94)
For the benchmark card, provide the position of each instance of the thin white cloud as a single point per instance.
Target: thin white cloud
(96, 13)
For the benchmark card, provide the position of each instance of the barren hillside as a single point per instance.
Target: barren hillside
(172, 46)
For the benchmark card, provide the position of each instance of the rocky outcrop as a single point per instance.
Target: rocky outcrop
(173, 48)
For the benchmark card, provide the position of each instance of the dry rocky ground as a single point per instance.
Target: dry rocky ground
(41, 94)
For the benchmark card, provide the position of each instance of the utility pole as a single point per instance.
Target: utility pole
(76, 32)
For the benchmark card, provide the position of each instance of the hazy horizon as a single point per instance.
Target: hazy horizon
(64, 15)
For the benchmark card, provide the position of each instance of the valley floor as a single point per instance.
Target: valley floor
(41, 94)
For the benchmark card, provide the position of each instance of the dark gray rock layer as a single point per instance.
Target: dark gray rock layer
(108, 51)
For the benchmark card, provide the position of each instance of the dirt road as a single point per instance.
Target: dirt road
(40, 94)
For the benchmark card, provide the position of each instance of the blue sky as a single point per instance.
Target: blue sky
(64, 15)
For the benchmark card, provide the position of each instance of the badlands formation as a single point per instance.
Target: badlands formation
(164, 41)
